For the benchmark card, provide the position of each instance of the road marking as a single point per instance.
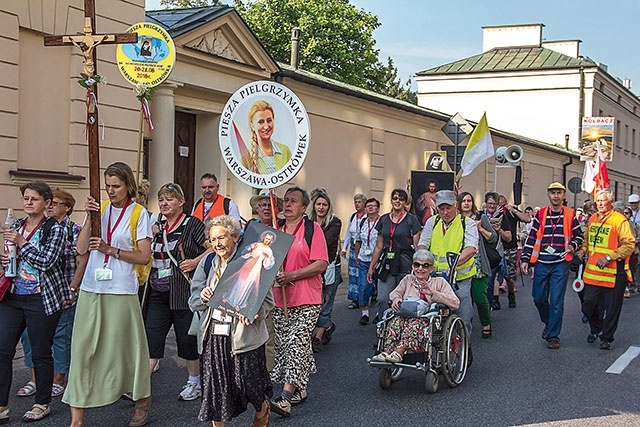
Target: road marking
(623, 361)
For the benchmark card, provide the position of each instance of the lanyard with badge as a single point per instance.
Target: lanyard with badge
(222, 321)
(367, 250)
(165, 271)
(392, 230)
(105, 273)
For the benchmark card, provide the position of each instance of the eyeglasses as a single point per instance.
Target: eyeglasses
(626, 213)
(398, 198)
(54, 203)
(263, 205)
(426, 265)
(32, 199)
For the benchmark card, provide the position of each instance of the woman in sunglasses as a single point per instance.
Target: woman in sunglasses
(409, 333)
(177, 250)
(398, 235)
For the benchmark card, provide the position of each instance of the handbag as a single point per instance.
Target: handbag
(382, 267)
(5, 285)
(412, 307)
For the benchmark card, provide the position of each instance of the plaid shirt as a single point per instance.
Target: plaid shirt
(46, 259)
(72, 231)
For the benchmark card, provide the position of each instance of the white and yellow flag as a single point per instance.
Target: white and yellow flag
(479, 148)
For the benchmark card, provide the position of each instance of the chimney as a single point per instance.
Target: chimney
(626, 83)
(295, 47)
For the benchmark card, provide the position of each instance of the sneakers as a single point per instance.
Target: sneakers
(496, 303)
(512, 300)
(328, 333)
(364, 320)
(354, 304)
(191, 391)
(315, 345)
(591, 338)
(298, 396)
(627, 292)
(281, 406)
(605, 345)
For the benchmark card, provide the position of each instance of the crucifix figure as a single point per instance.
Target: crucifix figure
(87, 43)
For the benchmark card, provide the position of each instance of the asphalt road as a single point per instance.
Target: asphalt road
(514, 381)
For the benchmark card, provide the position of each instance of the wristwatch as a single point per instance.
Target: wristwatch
(117, 254)
(609, 259)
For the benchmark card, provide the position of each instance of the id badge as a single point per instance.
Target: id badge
(366, 252)
(222, 329)
(391, 255)
(550, 250)
(103, 274)
(164, 272)
(221, 316)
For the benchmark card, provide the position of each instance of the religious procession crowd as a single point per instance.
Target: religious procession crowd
(93, 313)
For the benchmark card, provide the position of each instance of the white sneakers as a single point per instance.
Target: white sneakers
(191, 391)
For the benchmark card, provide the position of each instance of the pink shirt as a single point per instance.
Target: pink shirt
(304, 291)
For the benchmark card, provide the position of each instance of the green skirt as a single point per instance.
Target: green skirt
(109, 352)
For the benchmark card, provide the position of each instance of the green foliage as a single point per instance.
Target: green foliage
(336, 42)
(186, 4)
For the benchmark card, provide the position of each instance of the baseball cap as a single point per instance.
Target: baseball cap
(634, 198)
(556, 186)
(445, 196)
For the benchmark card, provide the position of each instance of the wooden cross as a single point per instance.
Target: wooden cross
(87, 43)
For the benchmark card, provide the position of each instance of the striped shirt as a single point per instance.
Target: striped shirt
(185, 242)
(552, 244)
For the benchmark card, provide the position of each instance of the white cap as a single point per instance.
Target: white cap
(634, 198)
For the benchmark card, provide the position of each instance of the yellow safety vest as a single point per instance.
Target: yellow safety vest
(451, 240)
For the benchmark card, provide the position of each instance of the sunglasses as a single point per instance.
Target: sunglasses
(172, 187)
(396, 198)
(425, 265)
(626, 213)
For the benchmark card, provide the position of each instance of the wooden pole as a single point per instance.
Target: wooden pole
(274, 221)
(140, 142)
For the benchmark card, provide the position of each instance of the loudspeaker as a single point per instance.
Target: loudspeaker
(514, 153)
(501, 155)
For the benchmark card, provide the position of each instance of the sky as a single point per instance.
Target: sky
(421, 34)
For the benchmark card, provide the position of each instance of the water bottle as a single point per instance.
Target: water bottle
(10, 248)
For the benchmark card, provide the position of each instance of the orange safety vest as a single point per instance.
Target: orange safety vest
(603, 241)
(217, 209)
(567, 230)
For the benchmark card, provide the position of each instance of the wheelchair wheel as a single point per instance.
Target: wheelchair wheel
(396, 373)
(454, 350)
(384, 378)
(431, 382)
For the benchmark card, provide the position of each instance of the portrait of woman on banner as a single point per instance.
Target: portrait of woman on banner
(264, 156)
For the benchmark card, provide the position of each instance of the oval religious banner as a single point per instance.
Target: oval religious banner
(149, 61)
(264, 134)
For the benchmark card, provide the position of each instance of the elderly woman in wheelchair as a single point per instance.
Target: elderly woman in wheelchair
(408, 333)
(420, 331)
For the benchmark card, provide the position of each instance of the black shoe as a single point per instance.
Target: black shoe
(512, 300)
(376, 319)
(364, 320)
(354, 304)
(605, 345)
(591, 338)
(315, 345)
(328, 333)
(544, 333)
(496, 303)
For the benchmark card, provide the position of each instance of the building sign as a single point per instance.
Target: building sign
(264, 134)
(597, 131)
(149, 61)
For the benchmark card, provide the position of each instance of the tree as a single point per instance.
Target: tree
(393, 86)
(186, 4)
(337, 38)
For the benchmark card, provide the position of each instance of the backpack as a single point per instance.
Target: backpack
(46, 230)
(142, 270)
(308, 229)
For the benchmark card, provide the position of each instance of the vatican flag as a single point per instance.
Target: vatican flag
(479, 148)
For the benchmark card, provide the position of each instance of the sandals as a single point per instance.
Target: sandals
(142, 420)
(394, 357)
(57, 390)
(4, 415)
(262, 421)
(29, 389)
(486, 333)
(380, 357)
(33, 415)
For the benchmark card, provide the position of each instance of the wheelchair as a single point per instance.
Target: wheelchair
(446, 350)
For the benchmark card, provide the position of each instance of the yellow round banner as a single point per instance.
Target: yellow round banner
(151, 59)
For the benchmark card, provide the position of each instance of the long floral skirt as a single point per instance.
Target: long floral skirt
(294, 356)
(409, 332)
(230, 382)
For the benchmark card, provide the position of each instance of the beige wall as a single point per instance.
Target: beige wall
(42, 108)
